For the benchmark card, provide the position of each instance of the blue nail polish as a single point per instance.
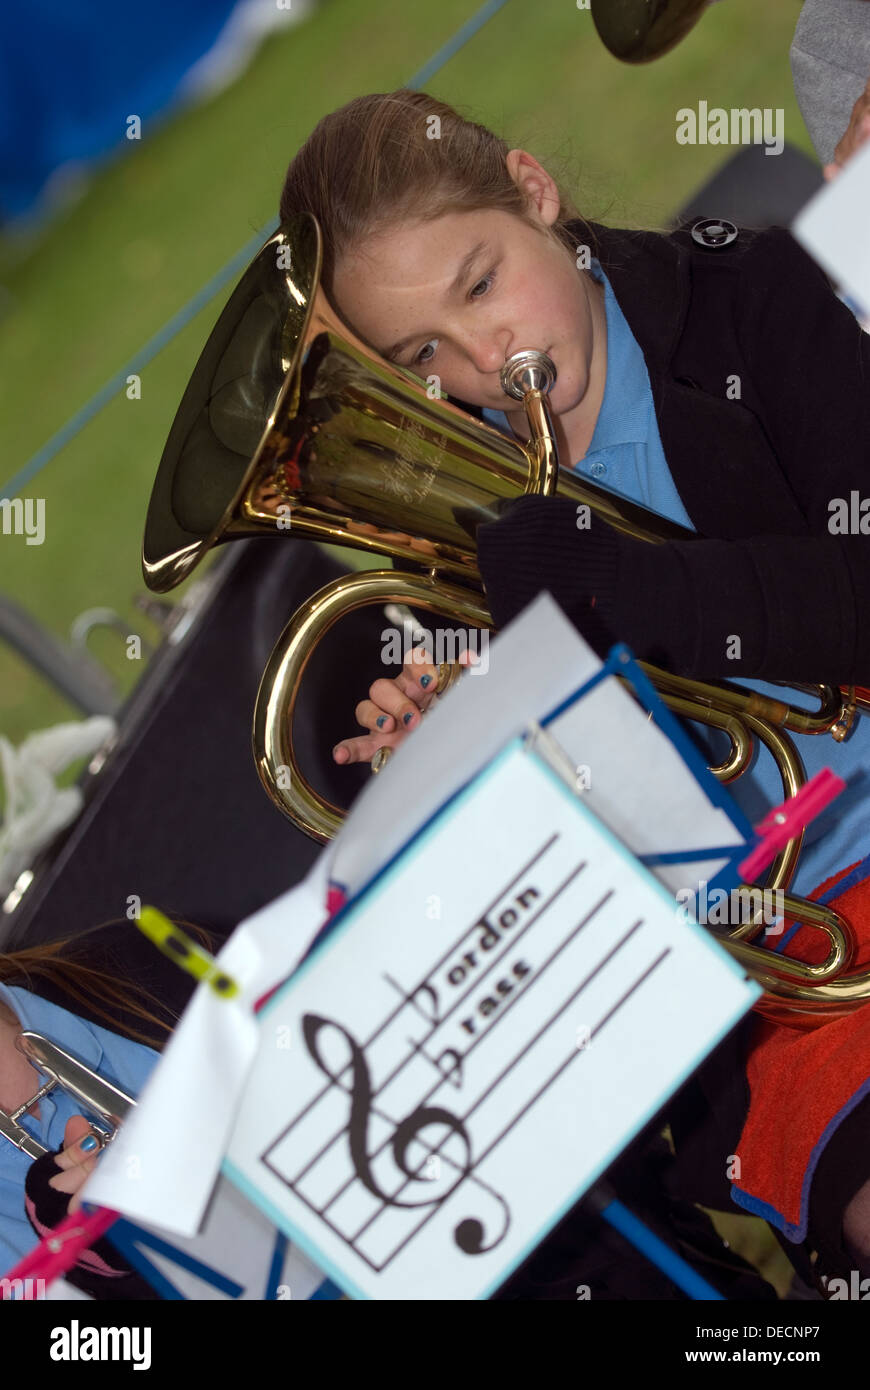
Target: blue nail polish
(382, 721)
(425, 681)
(88, 1145)
(406, 718)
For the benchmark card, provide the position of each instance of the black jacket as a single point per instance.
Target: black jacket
(756, 475)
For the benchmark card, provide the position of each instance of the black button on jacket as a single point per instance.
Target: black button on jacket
(756, 474)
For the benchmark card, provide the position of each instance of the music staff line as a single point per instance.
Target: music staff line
(539, 974)
(435, 1024)
(497, 1080)
(320, 1211)
(548, 1083)
(595, 1031)
(409, 996)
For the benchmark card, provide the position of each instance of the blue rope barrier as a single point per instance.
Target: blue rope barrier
(233, 267)
(146, 354)
(452, 46)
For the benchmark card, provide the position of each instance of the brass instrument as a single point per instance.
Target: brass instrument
(637, 31)
(292, 424)
(98, 1097)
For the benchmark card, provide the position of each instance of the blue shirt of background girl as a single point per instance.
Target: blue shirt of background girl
(128, 1064)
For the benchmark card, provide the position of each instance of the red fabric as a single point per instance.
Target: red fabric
(803, 1084)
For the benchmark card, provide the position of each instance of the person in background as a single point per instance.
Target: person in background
(830, 64)
(111, 1000)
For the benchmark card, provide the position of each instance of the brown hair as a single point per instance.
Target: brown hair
(55, 962)
(373, 162)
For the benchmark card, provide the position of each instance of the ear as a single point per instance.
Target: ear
(532, 179)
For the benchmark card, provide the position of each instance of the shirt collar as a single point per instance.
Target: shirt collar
(650, 274)
(625, 409)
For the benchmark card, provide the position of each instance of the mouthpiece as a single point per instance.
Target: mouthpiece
(526, 371)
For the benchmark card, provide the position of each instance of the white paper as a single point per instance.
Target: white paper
(835, 228)
(237, 1244)
(640, 787)
(193, 1092)
(488, 1027)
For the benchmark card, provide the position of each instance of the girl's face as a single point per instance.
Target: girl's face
(457, 296)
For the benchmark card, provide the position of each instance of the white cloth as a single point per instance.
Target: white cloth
(36, 808)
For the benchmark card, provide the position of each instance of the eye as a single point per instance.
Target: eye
(487, 282)
(420, 358)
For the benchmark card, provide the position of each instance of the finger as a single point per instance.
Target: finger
(831, 171)
(468, 658)
(419, 676)
(363, 749)
(420, 666)
(76, 1133)
(74, 1178)
(78, 1158)
(390, 696)
(374, 718)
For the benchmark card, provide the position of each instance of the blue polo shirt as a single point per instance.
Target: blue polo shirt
(625, 455)
(128, 1064)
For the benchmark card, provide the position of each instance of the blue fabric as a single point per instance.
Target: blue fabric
(71, 75)
(625, 455)
(128, 1064)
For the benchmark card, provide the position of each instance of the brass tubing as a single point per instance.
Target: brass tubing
(544, 475)
(770, 966)
(741, 730)
(279, 687)
(835, 710)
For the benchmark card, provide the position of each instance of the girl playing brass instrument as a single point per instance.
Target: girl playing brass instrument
(710, 374)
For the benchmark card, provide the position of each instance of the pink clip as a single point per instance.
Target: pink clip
(335, 900)
(784, 822)
(60, 1247)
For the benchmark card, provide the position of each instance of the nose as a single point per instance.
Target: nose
(489, 351)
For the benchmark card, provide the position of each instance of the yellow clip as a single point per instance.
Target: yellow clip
(178, 946)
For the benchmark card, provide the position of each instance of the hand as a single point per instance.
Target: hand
(857, 132)
(76, 1164)
(398, 704)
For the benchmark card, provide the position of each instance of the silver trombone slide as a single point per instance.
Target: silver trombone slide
(96, 1096)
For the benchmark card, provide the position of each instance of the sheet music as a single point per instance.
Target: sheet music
(639, 783)
(485, 1030)
(832, 227)
(639, 786)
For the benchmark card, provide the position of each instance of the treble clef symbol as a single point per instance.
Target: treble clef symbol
(469, 1233)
